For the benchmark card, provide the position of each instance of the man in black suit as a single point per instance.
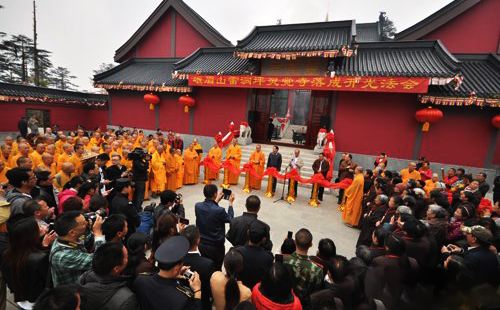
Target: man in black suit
(204, 266)
(321, 165)
(274, 160)
(238, 230)
(115, 171)
(256, 260)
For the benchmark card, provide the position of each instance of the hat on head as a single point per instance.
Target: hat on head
(172, 250)
(481, 233)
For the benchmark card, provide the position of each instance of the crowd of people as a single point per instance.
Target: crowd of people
(74, 233)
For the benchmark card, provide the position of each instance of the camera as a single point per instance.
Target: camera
(226, 193)
(138, 154)
(188, 274)
(91, 216)
(178, 198)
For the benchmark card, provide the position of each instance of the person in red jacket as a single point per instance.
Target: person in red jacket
(275, 291)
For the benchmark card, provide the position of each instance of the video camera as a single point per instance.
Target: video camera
(139, 154)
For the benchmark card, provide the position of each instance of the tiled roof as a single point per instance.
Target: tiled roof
(367, 32)
(419, 58)
(142, 74)
(26, 93)
(481, 73)
(323, 36)
(212, 61)
(436, 20)
(200, 24)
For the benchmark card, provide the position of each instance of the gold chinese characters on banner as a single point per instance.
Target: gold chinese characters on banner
(417, 85)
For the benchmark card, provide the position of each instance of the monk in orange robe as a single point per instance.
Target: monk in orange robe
(410, 173)
(76, 158)
(190, 166)
(233, 154)
(172, 169)
(36, 155)
(216, 154)
(48, 164)
(23, 150)
(63, 177)
(158, 162)
(7, 156)
(257, 160)
(3, 171)
(180, 166)
(353, 198)
(65, 156)
(197, 147)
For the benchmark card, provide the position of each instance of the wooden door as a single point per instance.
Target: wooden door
(259, 120)
(319, 114)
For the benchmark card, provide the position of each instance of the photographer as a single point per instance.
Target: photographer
(167, 289)
(211, 219)
(169, 202)
(68, 257)
(140, 166)
(121, 205)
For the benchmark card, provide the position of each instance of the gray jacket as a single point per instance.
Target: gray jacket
(16, 200)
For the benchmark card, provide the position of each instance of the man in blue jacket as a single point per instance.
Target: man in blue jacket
(211, 220)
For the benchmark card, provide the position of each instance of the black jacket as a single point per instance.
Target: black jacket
(483, 264)
(274, 160)
(121, 205)
(237, 233)
(47, 193)
(205, 268)
(112, 173)
(140, 170)
(256, 263)
(33, 277)
(106, 293)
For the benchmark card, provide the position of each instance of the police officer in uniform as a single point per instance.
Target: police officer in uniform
(170, 288)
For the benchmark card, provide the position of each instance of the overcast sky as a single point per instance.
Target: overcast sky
(85, 33)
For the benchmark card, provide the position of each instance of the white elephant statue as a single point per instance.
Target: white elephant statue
(245, 134)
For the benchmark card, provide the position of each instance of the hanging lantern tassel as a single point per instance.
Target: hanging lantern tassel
(187, 102)
(152, 100)
(427, 116)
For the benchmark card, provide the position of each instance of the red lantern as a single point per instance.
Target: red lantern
(495, 121)
(187, 102)
(427, 116)
(152, 100)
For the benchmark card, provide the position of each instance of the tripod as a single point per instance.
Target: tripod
(282, 198)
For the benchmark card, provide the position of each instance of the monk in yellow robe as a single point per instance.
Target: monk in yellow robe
(180, 165)
(86, 144)
(23, 151)
(172, 169)
(64, 176)
(6, 156)
(3, 171)
(48, 164)
(65, 156)
(76, 158)
(431, 184)
(353, 198)
(60, 143)
(197, 147)
(410, 173)
(36, 155)
(158, 163)
(216, 154)
(190, 166)
(257, 160)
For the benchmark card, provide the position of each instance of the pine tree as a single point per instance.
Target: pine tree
(61, 78)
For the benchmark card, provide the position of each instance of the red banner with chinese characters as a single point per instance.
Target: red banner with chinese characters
(416, 85)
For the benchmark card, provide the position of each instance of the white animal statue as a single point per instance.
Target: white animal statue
(245, 130)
